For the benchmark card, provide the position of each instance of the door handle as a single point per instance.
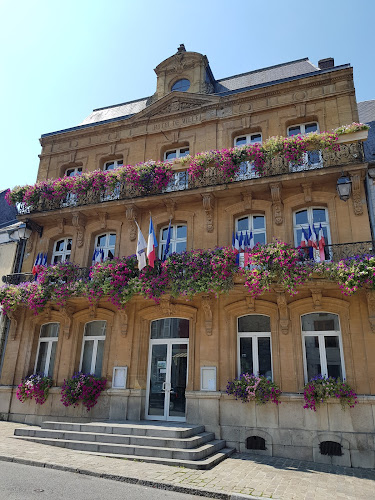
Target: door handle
(163, 387)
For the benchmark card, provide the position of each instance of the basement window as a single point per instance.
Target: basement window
(255, 443)
(330, 448)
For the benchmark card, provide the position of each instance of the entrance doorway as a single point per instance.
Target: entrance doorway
(167, 370)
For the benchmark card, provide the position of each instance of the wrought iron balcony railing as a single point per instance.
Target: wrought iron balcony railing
(350, 153)
(17, 278)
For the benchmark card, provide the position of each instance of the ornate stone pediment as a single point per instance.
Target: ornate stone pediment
(176, 102)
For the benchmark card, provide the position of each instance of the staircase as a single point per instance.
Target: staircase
(161, 443)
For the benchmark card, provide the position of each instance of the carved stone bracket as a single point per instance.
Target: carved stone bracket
(167, 308)
(283, 312)
(62, 223)
(131, 215)
(103, 219)
(92, 310)
(307, 191)
(250, 302)
(207, 309)
(277, 205)
(316, 297)
(79, 222)
(67, 313)
(170, 205)
(371, 308)
(208, 201)
(356, 189)
(30, 243)
(247, 198)
(123, 317)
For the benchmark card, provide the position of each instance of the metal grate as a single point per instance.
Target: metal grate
(255, 443)
(330, 448)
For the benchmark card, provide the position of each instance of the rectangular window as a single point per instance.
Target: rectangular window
(254, 345)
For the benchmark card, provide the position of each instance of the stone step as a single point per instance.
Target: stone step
(129, 439)
(133, 451)
(154, 429)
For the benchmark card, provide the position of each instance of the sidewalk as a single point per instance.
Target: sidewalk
(276, 478)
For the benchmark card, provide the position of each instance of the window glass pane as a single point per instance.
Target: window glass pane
(256, 138)
(258, 222)
(259, 238)
(95, 328)
(57, 259)
(311, 127)
(110, 165)
(264, 354)
(180, 246)
(181, 85)
(110, 255)
(42, 356)
(333, 356)
(52, 358)
(50, 330)
(100, 242)
(181, 231)
(320, 322)
(99, 358)
(169, 155)
(165, 233)
(312, 357)
(254, 323)
(69, 244)
(170, 328)
(243, 224)
(240, 141)
(294, 130)
(246, 355)
(60, 245)
(112, 240)
(301, 217)
(67, 257)
(319, 215)
(88, 348)
(184, 152)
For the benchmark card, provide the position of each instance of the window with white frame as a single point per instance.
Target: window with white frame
(45, 358)
(254, 225)
(312, 218)
(178, 239)
(311, 158)
(73, 171)
(322, 346)
(107, 243)
(246, 170)
(112, 164)
(93, 348)
(176, 153)
(254, 351)
(62, 250)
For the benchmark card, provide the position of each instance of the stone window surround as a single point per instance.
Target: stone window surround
(49, 341)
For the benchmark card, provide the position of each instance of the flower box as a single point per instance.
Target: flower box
(361, 135)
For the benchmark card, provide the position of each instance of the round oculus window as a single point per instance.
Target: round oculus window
(181, 85)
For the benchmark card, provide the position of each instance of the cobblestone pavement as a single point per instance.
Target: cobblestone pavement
(276, 478)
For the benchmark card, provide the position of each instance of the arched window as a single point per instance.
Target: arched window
(62, 250)
(254, 225)
(309, 219)
(254, 345)
(247, 168)
(47, 344)
(73, 171)
(181, 85)
(107, 243)
(178, 239)
(176, 153)
(112, 164)
(93, 348)
(322, 346)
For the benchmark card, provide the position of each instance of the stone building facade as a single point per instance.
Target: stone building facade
(201, 342)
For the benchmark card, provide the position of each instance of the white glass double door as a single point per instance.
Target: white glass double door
(166, 380)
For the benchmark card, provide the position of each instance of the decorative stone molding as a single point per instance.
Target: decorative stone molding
(13, 316)
(247, 198)
(67, 312)
(170, 205)
(167, 308)
(283, 312)
(316, 297)
(62, 224)
(123, 318)
(356, 189)
(103, 219)
(79, 221)
(131, 216)
(208, 200)
(371, 308)
(30, 243)
(276, 203)
(207, 309)
(250, 302)
(307, 191)
(93, 310)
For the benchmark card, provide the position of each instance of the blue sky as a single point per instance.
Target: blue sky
(60, 60)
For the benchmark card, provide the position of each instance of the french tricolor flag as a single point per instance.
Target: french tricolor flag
(321, 244)
(303, 243)
(151, 245)
(37, 263)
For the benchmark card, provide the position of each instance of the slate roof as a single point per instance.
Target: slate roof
(366, 112)
(301, 68)
(7, 213)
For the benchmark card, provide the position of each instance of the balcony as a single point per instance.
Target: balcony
(349, 153)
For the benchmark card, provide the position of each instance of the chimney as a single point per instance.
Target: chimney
(326, 63)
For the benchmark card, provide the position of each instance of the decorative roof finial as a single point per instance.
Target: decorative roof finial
(181, 48)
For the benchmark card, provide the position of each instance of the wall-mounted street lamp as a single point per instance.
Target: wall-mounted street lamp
(344, 187)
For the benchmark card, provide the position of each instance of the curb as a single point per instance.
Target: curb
(133, 480)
